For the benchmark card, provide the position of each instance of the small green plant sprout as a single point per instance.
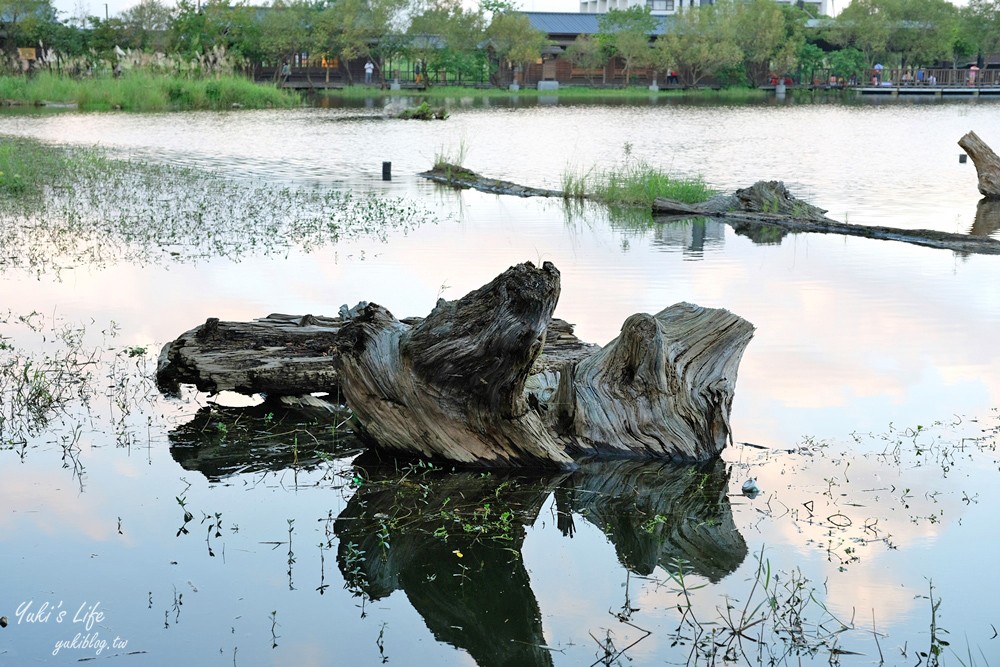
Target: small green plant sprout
(650, 525)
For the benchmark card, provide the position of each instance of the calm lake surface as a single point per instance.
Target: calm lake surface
(865, 406)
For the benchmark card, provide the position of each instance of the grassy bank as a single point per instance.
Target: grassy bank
(736, 94)
(137, 91)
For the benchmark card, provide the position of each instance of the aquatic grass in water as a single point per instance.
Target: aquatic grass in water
(94, 210)
(633, 183)
(44, 367)
(27, 166)
(639, 184)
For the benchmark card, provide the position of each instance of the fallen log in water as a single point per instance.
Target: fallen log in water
(770, 205)
(480, 382)
(987, 164)
(460, 177)
(764, 205)
(291, 355)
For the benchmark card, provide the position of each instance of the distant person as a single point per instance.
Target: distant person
(286, 71)
(416, 73)
(369, 68)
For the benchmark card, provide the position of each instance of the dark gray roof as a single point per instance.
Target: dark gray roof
(574, 23)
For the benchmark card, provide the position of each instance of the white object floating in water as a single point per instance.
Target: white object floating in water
(750, 487)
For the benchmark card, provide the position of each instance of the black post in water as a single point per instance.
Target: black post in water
(386, 171)
(962, 158)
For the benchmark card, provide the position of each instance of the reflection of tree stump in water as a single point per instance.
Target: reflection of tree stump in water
(656, 513)
(451, 541)
(987, 217)
(220, 441)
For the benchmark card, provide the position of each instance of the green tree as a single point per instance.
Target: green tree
(977, 31)
(626, 34)
(924, 31)
(21, 22)
(353, 29)
(865, 25)
(849, 62)
(446, 37)
(586, 52)
(699, 44)
(810, 60)
(105, 34)
(512, 38)
(286, 29)
(147, 25)
(900, 31)
(769, 36)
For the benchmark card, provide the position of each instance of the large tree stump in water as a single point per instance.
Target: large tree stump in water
(454, 385)
(987, 164)
(470, 383)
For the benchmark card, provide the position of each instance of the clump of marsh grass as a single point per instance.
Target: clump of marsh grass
(633, 183)
(574, 184)
(451, 162)
(451, 157)
(35, 385)
(424, 111)
(26, 166)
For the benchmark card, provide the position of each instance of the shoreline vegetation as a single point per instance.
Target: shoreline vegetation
(707, 93)
(140, 91)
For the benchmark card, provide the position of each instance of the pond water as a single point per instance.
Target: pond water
(865, 406)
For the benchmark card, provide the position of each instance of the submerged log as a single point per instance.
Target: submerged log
(987, 164)
(768, 206)
(460, 177)
(491, 379)
(761, 209)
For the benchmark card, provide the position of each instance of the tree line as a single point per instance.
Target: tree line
(731, 41)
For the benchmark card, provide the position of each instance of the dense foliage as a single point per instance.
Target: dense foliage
(729, 40)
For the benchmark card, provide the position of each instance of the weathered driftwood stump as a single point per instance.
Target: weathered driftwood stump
(492, 379)
(452, 386)
(987, 164)
(662, 389)
(280, 355)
